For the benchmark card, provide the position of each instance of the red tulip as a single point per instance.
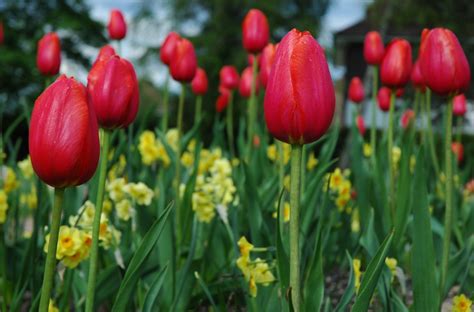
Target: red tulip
(117, 26)
(417, 77)
(399, 92)
(245, 86)
(360, 124)
(183, 64)
(168, 46)
(104, 53)
(459, 105)
(443, 62)
(356, 90)
(222, 101)
(266, 62)
(1, 33)
(255, 31)
(383, 98)
(199, 83)
(458, 150)
(251, 57)
(299, 102)
(48, 58)
(373, 48)
(63, 135)
(407, 119)
(396, 64)
(113, 91)
(229, 77)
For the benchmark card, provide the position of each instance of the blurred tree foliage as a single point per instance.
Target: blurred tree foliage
(25, 22)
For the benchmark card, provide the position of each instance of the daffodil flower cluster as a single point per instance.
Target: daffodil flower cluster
(274, 151)
(340, 188)
(124, 194)
(73, 245)
(255, 271)
(214, 186)
(29, 198)
(461, 303)
(153, 150)
(285, 212)
(10, 182)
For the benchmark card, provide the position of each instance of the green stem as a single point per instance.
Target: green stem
(459, 125)
(281, 164)
(430, 133)
(252, 109)
(391, 199)
(177, 180)
(94, 253)
(197, 115)
(50, 266)
(164, 121)
(3, 267)
(295, 179)
(449, 194)
(230, 124)
(373, 129)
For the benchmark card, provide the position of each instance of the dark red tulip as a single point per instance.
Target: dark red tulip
(356, 90)
(222, 101)
(48, 57)
(443, 63)
(396, 64)
(383, 98)
(417, 77)
(458, 150)
(1, 33)
(300, 101)
(183, 65)
(399, 92)
(407, 119)
(266, 62)
(104, 53)
(168, 46)
(250, 59)
(199, 83)
(245, 86)
(229, 77)
(255, 31)
(373, 48)
(117, 26)
(360, 124)
(113, 91)
(63, 135)
(459, 105)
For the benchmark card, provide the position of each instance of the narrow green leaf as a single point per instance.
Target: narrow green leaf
(371, 276)
(282, 257)
(154, 290)
(350, 289)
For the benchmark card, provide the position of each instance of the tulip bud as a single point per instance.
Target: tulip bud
(63, 135)
(117, 26)
(417, 77)
(245, 86)
(113, 91)
(104, 53)
(48, 57)
(356, 90)
(458, 150)
(300, 101)
(183, 64)
(266, 62)
(396, 64)
(222, 100)
(407, 119)
(383, 98)
(373, 48)
(443, 63)
(459, 105)
(229, 77)
(255, 31)
(360, 124)
(399, 92)
(1, 33)
(199, 83)
(168, 46)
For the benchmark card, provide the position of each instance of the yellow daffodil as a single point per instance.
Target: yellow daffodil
(367, 150)
(26, 168)
(124, 210)
(461, 303)
(139, 192)
(312, 162)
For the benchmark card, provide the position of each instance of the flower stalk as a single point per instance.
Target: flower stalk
(252, 108)
(373, 133)
(391, 117)
(94, 253)
(230, 123)
(50, 266)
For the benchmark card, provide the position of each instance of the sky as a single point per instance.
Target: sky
(341, 14)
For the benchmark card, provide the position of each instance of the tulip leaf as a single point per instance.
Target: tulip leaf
(282, 256)
(152, 294)
(133, 271)
(371, 276)
(350, 289)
